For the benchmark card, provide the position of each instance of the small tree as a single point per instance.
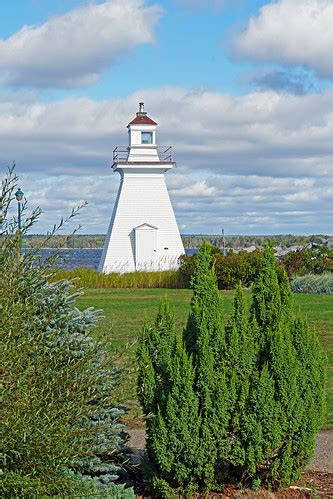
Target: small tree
(165, 390)
(181, 389)
(61, 430)
(290, 366)
(251, 393)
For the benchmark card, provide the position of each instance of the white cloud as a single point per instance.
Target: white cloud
(292, 33)
(241, 204)
(260, 133)
(251, 204)
(73, 49)
(197, 188)
(241, 160)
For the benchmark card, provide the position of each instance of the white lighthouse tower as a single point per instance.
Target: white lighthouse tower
(143, 233)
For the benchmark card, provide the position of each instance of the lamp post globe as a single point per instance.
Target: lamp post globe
(19, 195)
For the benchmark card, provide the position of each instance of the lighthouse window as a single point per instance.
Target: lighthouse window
(146, 137)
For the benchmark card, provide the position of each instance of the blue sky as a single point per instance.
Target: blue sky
(241, 89)
(191, 47)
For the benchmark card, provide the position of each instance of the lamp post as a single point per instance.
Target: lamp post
(19, 196)
(223, 242)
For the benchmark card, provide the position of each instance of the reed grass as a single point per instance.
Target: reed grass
(89, 278)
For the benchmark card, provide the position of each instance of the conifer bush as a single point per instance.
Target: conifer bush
(236, 401)
(60, 431)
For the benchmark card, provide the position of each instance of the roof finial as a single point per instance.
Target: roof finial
(141, 107)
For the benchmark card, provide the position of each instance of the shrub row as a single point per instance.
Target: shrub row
(243, 267)
(229, 269)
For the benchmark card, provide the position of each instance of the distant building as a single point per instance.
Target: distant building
(329, 243)
(143, 234)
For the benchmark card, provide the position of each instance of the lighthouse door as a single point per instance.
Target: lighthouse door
(145, 247)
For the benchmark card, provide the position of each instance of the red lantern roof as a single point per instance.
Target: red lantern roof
(142, 119)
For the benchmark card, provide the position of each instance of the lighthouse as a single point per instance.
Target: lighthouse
(143, 234)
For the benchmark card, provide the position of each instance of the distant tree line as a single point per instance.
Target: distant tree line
(244, 241)
(66, 241)
(189, 240)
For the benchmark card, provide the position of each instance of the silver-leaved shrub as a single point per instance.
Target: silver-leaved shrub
(61, 434)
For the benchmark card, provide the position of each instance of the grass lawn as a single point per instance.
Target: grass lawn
(126, 309)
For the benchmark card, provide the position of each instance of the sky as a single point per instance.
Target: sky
(241, 89)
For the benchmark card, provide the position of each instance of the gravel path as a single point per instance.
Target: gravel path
(323, 458)
(322, 461)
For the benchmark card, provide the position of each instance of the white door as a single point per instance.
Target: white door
(145, 248)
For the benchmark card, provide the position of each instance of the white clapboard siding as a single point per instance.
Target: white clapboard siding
(143, 232)
(142, 199)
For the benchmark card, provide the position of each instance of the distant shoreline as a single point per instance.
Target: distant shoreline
(96, 241)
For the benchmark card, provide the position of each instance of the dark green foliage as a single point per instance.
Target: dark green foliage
(206, 307)
(243, 267)
(229, 269)
(237, 267)
(284, 417)
(235, 404)
(60, 433)
(240, 357)
(179, 385)
(157, 346)
(166, 380)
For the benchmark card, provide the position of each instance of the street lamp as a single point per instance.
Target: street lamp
(19, 196)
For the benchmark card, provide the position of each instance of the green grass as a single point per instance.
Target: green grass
(126, 309)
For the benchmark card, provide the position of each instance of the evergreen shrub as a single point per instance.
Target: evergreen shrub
(230, 269)
(60, 432)
(238, 403)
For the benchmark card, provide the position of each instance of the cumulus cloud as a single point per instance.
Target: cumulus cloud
(261, 133)
(252, 204)
(257, 162)
(240, 204)
(291, 33)
(73, 49)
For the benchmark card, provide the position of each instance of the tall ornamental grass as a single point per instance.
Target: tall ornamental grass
(60, 433)
(89, 278)
(313, 284)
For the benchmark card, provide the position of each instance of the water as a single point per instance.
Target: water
(71, 258)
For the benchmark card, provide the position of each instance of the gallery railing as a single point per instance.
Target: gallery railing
(120, 154)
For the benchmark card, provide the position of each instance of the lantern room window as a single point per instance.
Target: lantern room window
(146, 137)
